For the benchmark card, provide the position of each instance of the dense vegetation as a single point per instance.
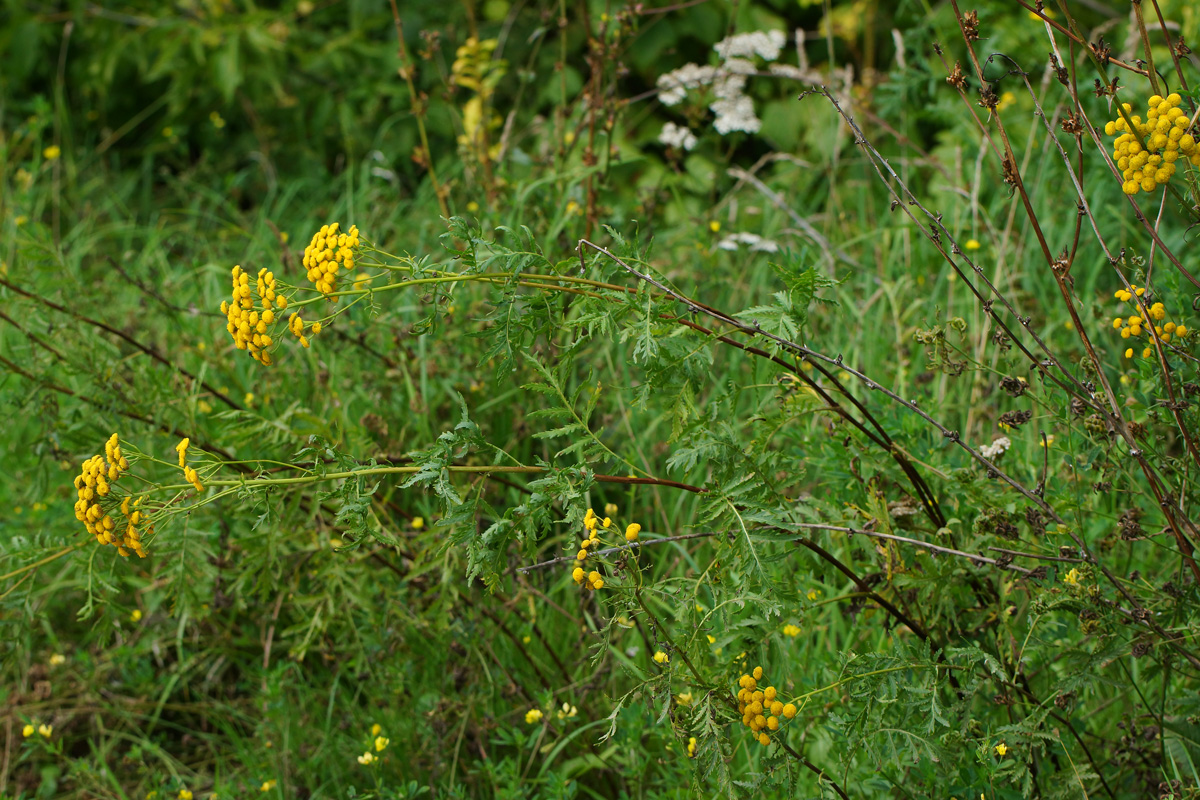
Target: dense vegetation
(787, 398)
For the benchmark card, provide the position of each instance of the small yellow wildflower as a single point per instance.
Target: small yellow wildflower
(714, 226)
(813, 594)
(972, 244)
(567, 711)
(57, 659)
(367, 758)
(27, 731)
(691, 747)
(267, 786)
(381, 743)
(418, 523)
(661, 658)
(1072, 577)
(184, 794)
(684, 698)
(712, 639)
(52, 152)
(45, 730)
(610, 509)
(631, 532)
(472, 207)
(789, 711)
(136, 615)
(791, 630)
(376, 729)
(1049, 440)
(533, 715)
(1001, 749)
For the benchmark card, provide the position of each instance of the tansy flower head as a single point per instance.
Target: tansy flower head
(327, 252)
(110, 518)
(249, 322)
(1146, 152)
(631, 532)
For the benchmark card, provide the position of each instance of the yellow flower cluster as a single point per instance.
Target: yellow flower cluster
(96, 502)
(691, 747)
(248, 322)
(189, 474)
(533, 715)
(1132, 326)
(328, 251)
(593, 579)
(761, 708)
(1147, 154)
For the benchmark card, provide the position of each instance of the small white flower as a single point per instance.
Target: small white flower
(729, 86)
(996, 448)
(673, 86)
(735, 115)
(741, 66)
(755, 242)
(767, 44)
(677, 136)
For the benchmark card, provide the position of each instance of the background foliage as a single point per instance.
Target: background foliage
(146, 149)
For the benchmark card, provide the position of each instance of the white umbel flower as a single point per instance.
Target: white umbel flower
(996, 448)
(677, 136)
(736, 114)
(767, 44)
(673, 86)
(755, 242)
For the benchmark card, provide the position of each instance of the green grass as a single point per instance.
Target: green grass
(270, 629)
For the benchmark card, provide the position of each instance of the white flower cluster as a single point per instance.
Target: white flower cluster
(767, 44)
(755, 242)
(734, 110)
(677, 136)
(673, 86)
(997, 448)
